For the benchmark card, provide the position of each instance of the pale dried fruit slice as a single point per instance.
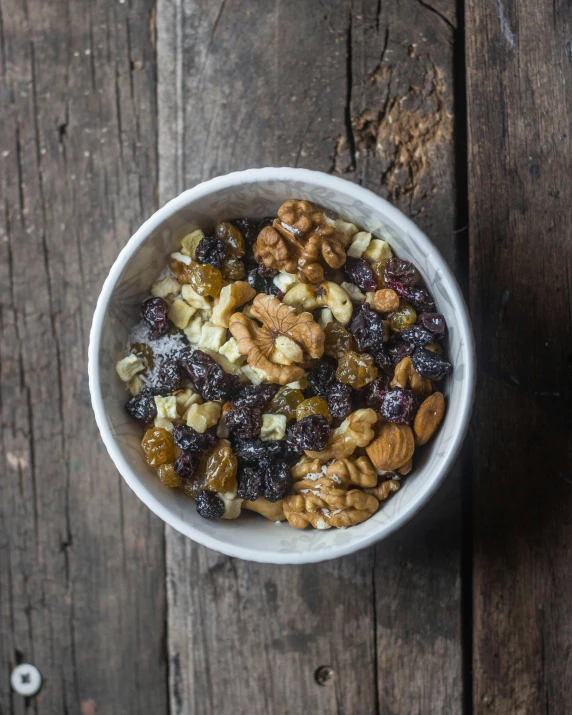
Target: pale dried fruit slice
(428, 418)
(393, 446)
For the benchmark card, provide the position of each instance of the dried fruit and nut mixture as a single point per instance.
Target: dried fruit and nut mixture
(288, 366)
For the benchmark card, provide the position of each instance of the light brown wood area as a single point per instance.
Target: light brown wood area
(457, 112)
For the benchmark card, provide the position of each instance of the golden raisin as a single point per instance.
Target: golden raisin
(167, 475)
(356, 369)
(313, 406)
(232, 238)
(233, 269)
(338, 340)
(182, 272)
(378, 268)
(206, 280)
(285, 402)
(221, 468)
(158, 446)
(403, 318)
(144, 353)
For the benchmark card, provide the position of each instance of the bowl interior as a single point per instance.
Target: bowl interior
(254, 537)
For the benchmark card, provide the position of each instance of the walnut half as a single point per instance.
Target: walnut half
(282, 342)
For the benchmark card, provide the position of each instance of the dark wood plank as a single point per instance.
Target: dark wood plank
(81, 560)
(242, 84)
(519, 99)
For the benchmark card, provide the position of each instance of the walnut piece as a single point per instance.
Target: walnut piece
(301, 241)
(325, 506)
(283, 339)
(382, 491)
(308, 296)
(359, 472)
(274, 511)
(355, 431)
(406, 376)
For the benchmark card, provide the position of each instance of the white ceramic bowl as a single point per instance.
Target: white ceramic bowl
(259, 192)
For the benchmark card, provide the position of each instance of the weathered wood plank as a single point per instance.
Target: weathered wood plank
(242, 84)
(519, 98)
(81, 560)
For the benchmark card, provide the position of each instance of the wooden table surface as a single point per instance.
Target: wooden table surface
(459, 113)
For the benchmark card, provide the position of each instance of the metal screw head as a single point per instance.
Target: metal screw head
(26, 679)
(324, 675)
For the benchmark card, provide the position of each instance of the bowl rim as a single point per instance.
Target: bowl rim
(356, 192)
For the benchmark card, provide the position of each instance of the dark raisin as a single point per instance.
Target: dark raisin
(430, 365)
(247, 227)
(169, 377)
(245, 422)
(190, 440)
(339, 397)
(399, 405)
(278, 481)
(255, 395)
(211, 250)
(312, 432)
(185, 466)
(209, 506)
(250, 483)
(383, 359)
(266, 221)
(261, 285)
(398, 348)
(142, 407)
(321, 377)
(375, 391)
(359, 272)
(367, 328)
(211, 381)
(418, 336)
(400, 271)
(154, 313)
(255, 451)
(265, 272)
(418, 297)
(433, 322)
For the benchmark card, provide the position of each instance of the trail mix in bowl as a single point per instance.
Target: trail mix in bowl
(286, 366)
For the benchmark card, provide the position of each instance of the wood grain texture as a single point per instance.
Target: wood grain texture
(246, 84)
(81, 559)
(519, 97)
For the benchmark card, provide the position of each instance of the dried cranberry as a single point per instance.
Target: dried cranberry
(185, 466)
(398, 348)
(433, 322)
(142, 406)
(209, 506)
(321, 377)
(250, 483)
(255, 395)
(312, 432)
(247, 227)
(211, 381)
(278, 481)
(255, 451)
(169, 377)
(266, 272)
(359, 271)
(418, 336)
(375, 391)
(261, 285)
(367, 327)
(339, 397)
(154, 313)
(211, 250)
(245, 422)
(430, 365)
(190, 440)
(400, 271)
(399, 405)
(418, 297)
